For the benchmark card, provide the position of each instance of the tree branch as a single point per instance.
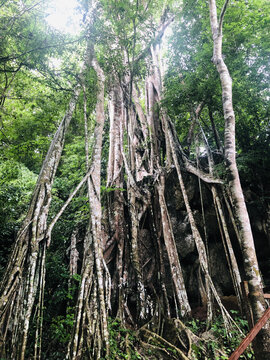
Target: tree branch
(202, 175)
(71, 196)
(189, 167)
(4, 59)
(223, 11)
(156, 39)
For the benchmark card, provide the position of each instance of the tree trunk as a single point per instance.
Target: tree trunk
(262, 344)
(23, 276)
(116, 201)
(176, 271)
(224, 232)
(92, 303)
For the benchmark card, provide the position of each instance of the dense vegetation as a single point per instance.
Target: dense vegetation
(132, 110)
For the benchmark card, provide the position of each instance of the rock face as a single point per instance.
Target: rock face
(260, 219)
(184, 240)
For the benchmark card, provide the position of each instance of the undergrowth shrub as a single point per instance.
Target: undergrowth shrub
(217, 338)
(123, 341)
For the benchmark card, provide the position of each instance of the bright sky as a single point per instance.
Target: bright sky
(64, 16)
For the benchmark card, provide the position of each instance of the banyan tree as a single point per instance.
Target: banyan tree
(124, 259)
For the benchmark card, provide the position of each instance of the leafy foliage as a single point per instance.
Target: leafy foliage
(217, 338)
(38, 69)
(191, 78)
(16, 186)
(123, 342)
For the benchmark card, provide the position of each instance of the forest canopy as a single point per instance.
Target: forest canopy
(134, 179)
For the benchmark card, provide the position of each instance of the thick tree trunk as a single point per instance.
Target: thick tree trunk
(262, 345)
(158, 133)
(95, 204)
(116, 201)
(92, 303)
(134, 207)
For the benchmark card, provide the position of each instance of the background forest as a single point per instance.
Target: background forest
(123, 225)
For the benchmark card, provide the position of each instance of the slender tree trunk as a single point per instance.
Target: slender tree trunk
(157, 232)
(262, 345)
(154, 86)
(22, 278)
(214, 129)
(95, 205)
(231, 259)
(176, 271)
(194, 120)
(196, 235)
(74, 254)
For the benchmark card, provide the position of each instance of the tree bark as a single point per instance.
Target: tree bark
(22, 278)
(95, 206)
(90, 333)
(262, 344)
(176, 271)
(116, 201)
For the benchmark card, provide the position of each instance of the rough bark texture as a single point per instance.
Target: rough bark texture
(91, 321)
(116, 201)
(144, 259)
(24, 273)
(176, 271)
